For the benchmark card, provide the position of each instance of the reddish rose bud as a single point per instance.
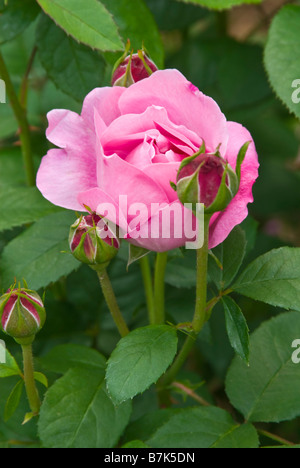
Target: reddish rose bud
(133, 68)
(92, 241)
(22, 314)
(207, 178)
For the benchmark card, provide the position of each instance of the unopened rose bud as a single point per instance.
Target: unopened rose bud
(92, 242)
(133, 68)
(207, 178)
(22, 314)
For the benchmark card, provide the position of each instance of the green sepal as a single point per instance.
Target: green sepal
(240, 159)
(189, 159)
(228, 189)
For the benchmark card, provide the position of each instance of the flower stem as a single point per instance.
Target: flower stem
(20, 115)
(31, 390)
(111, 301)
(200, 309)
(147, 279)
(159, 287)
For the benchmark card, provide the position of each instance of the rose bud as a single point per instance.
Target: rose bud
(92, 242)
(22, 314)
(132, 68)
(209, 179)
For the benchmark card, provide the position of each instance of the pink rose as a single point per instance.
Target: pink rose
(130, 142)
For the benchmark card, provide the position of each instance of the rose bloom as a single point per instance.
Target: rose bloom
(130, 142)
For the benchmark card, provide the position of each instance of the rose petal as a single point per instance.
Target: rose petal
(185, 105)
(64, 174)
(222, 223)
(105, 101)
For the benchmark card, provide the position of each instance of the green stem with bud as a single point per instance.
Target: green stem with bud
(111, 301)
(148, 286)
(159, 287)
(200, 315)
(31, 390)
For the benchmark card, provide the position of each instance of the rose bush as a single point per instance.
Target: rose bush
(130, 142)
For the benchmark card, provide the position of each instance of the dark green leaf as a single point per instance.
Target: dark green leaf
(209, 427)
(78, 413)
(89, 23)
(64, 357)
(20, 206)
(268, 390)
(237, 328)
(73, 67)
(13, 400)
(230, 255)
(37, 254)
(139, 360)
(15, 17)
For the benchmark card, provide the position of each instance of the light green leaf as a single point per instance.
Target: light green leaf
(37, 254)
(135, 444)
(139, 360)
(209, 427)
(273, 278)
(220, 4)
(64, 357)
(39, 377)
(73, 67)
(135, 253)
(23, 205)
(78, 413)
(10, 366)
(13, 400)
(268, 390)
(88, 22)
(282, 56)
(237, 328)
(15, 17)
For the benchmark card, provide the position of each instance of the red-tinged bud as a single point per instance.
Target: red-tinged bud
(92, 241)
(22, 314)
(133, 68)
(207, 178)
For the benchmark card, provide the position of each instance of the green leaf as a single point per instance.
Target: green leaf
(135, 253)
(11, 167)
(230, 255)
(170, 15)
(37, 254)
(15, 17)
(237, 328)
(64, 357)
(39, 377)
(209, 427)
(88, 22)
(282, 56)
(135, 444)
(13, 400)
(220, 4)
(10, 366)
(268, 390)
(78, 413)
(23, 205)
(273, 278)
(73, 67)
(139, 360)
(135, 22)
